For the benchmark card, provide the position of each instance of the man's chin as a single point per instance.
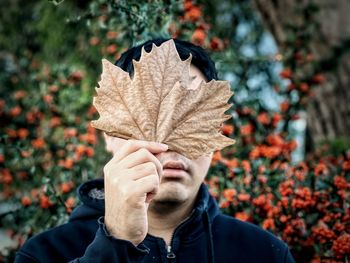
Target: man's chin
(171, 192)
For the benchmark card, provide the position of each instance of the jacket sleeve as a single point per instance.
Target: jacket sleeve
(104, 248)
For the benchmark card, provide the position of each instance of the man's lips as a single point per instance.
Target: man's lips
(174, 165)
(174, 169)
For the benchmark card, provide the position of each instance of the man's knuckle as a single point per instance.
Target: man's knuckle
(143, 152)
(151, 166)
(124, 189)
(154, 178)
(130, 143)
(117, 180)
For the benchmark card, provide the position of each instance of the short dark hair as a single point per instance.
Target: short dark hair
(200, 58)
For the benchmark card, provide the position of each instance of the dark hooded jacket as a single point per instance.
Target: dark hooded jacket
(206, 236)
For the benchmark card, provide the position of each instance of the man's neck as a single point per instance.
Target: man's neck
(163, 218)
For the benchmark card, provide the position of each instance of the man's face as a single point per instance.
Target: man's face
(182, 177)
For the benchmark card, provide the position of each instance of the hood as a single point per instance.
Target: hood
(93, 204)
(91, 207)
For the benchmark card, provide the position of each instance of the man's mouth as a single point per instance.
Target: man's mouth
(174, 169)
(174, 165)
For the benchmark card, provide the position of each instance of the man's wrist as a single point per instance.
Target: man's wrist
(109, 231)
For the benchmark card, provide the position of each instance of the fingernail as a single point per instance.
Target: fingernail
(164, 146)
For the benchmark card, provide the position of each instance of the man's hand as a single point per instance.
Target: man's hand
(132, 178)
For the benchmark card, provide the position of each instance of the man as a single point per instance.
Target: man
(152, 205)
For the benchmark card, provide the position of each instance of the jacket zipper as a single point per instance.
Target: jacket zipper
(170, 254)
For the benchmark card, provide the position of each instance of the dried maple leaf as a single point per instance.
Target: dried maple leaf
(158, 105)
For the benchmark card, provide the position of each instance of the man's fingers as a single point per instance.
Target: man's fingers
(139, 157)
(133, 145)
(147, 184)
(143, 170)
